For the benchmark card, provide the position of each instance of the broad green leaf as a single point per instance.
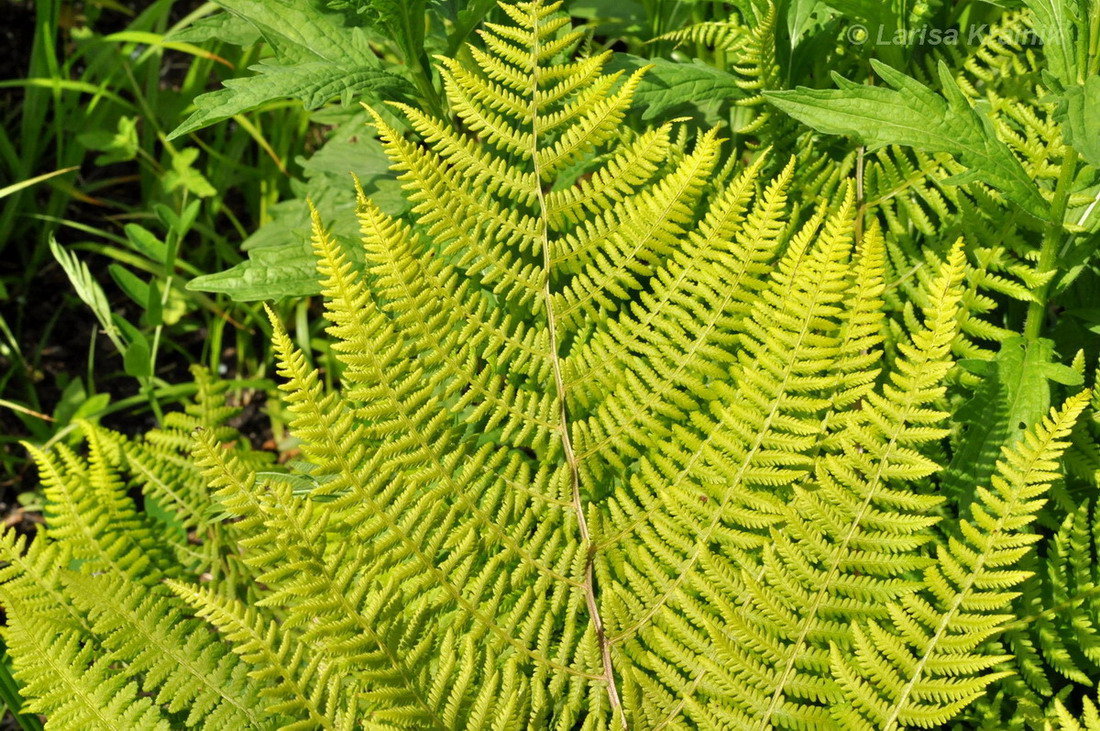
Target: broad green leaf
(1057, 24)
(178, 223)
(805, 15)
(72, 396)
(225, 27)
(610, 16)
(317, 59)
(669, 85)
(280, 262)
(301, 31)
(271, 272)
(1080, 118)
(914, 115)
(90, 407)
(146, 243)
(134, 287)
(468, 18)
(117, 146)
(313, 84)
(136, 358)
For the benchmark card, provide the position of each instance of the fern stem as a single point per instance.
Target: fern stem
(589, 584)
(1052, 242)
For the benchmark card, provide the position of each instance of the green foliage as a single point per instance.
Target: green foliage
(316, 60)
(912, 114)
(631, 428)
(90, 93)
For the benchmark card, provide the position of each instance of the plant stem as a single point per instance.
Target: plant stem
(1052, 242)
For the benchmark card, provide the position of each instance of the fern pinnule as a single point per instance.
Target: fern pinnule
(722, 35)
(1088, 720)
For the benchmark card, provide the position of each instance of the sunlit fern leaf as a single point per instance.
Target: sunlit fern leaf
(716, 478)
(160, 462)
(850, 538)
(175, 659)
(87, 507)
(1003, 58)
(65, 679)
(296, 681)
(31, 580)
(340, 614)
(923, 204)
(760, 71)
(923, 663)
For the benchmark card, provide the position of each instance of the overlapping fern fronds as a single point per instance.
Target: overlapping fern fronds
(617, 444)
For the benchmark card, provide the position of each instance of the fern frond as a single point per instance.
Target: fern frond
(626, 434)
(294, 680)
(341, 610)
(923, 664)
(89, 510)
(851, 537)
(162, 464)
(1061, 612)
(30, 580)
(170, 655)
(64, 679)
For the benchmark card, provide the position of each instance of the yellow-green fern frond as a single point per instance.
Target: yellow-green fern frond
(174, 658)
(923, 663)
(625, 434)
(31, 579)
(87, 508)
(161, 463)
(295, 681)
(65, 679)
(850, 539)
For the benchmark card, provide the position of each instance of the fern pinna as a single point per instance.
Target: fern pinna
(615, 446)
